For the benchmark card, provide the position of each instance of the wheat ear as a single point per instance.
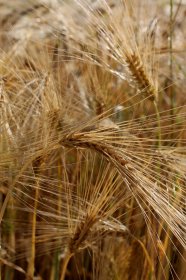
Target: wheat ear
(140, 76)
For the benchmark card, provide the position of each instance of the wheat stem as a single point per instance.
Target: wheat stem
(31, 265)
(65, 264)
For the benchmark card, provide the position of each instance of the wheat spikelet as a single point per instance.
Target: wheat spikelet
(81, 233)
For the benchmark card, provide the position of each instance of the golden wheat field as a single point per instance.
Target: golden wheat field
(92, 140)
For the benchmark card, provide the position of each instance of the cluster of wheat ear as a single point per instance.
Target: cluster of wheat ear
(92, 140)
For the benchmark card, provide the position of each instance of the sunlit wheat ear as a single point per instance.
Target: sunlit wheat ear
(140, 76)
(118, 50)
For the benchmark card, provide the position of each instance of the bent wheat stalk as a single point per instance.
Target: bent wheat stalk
(139, 184)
